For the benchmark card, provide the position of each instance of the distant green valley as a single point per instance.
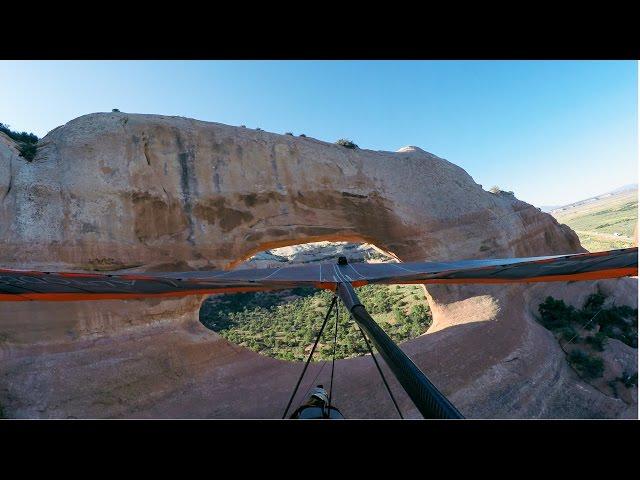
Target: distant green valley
(605, 223)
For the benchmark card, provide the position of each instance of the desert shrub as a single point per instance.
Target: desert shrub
(419, 311)
(27, 142)
(567, 333)
(629, 380)
(597, 341)
(619, 323)
(258, 128)
(421, 315)
(302, 135)
(586, 365)
(288, 133)
(115, 110)
(346, 143)
(28, 150)
(273, 324)
(594, 302)
(20, 137)
(496, 189)
(556, 314)
(243, 126)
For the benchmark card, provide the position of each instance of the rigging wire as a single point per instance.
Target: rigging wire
(308, 391)
(572, 338)
(324, 323)
(333, 359)
(366, 340)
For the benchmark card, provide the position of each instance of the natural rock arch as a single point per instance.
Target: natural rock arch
(115, 191)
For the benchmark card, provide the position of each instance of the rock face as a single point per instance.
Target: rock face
(316, 252)
(115, 190)
(119, 191)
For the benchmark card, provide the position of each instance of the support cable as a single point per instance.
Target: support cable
(427, 398)
(333, 359)
(583, 326)
(380, 371)
(308, 391)
(324, 323)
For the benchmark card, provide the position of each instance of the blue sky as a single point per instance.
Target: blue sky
(551, 131)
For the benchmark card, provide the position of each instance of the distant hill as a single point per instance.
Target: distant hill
(549, 208)
(603, 222)
(625, 188)
(632, 187)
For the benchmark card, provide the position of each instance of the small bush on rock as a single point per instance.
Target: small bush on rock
(27, 142)
(629, 380)
(586, 365)
(496, 190)
(346, 143)
(556, 314)
(597, 341)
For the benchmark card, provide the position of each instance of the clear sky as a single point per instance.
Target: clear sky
(552, 131)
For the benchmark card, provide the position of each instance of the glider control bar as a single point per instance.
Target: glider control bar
(427, 398)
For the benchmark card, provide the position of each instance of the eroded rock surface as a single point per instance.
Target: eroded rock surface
(118, 191)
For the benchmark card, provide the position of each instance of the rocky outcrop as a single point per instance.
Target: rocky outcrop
(117, 191)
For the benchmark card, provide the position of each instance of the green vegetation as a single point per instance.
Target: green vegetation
(604, 224)
(587, 365)
(27, 142)
(577, 326)
(629, 380)
(601, 243)
(597, 341)
(285, 324)
(346, 143)
(619, 322)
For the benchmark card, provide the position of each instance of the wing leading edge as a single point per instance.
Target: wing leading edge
(23, 285)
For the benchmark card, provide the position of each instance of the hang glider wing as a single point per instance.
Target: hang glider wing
(22, 285)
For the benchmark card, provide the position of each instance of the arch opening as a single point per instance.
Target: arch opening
(248, 259)
(284, 324)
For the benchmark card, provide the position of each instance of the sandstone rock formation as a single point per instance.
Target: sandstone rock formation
(316, 252)
(117, 191)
